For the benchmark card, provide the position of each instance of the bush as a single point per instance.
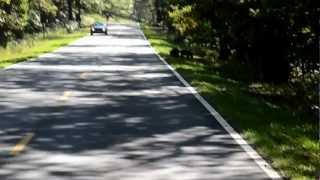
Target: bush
(72, 26)
(306, 86)
(87, 21)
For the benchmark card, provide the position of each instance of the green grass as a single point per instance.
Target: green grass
(287, 141)
(32, 47)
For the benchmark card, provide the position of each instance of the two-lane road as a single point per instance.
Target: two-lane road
(106, 108)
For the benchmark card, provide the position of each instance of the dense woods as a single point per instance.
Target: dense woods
(277, 41)
(20, 17)
(274, 36)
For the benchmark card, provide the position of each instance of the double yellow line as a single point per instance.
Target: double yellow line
(84, 75)
(66, 95)
(21, 145)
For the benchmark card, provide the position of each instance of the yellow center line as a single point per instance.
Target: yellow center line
(84, 75)
(22, 144)
(66, 95)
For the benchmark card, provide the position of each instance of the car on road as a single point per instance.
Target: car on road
(99, 28)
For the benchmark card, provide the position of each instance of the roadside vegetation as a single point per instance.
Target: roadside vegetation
(36, 44)
(30, 28)
(286, 139)
(256, 62)
(31, 47)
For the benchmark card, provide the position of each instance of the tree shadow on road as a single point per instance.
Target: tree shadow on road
(125, 116)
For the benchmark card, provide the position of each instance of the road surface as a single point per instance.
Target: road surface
(104, 108)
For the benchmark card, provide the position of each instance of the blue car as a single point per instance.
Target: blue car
(99, 28)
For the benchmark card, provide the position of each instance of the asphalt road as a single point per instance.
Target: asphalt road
(104, 108)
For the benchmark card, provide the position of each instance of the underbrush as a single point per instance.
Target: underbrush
(33, 45)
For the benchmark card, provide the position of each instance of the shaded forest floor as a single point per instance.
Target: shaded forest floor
(286, 139)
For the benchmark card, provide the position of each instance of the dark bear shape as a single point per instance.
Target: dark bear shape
(174, 52)
(186, 54)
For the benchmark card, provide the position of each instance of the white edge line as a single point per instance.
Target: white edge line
(43, 55)
(266, 167)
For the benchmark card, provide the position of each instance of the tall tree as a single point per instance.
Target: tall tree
(70, 10)
(78, 15)
(13, 19)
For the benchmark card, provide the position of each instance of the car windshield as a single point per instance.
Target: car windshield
(98, 24)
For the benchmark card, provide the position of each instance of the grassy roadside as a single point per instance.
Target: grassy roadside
(288, 142)
(35, 45)
(32, 47)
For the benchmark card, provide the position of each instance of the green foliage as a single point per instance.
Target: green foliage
(275, 41)
(44, 6)
(145, 11)
(13, 17)
(183, 20)
(93, 6)
(20, 17)
(72, 26)
(40, 14)
(272, 35)
(117, 7)
(34, 45)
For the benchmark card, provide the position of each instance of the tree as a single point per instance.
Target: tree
(78, 15)
(268, 35)
(13, 18)
(41, 12)
(70, 10)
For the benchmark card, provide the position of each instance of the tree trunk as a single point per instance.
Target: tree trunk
(78, 16)
(3, 38)
(157, 11)
(70, 15)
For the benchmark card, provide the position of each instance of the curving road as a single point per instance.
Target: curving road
(105, 108)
